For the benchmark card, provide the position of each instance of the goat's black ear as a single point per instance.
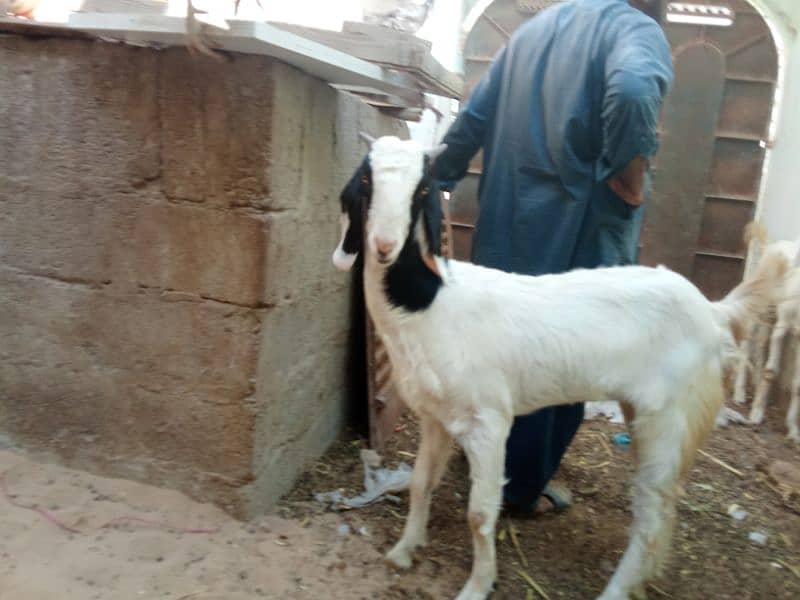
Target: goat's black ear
(354, 200)
(432, 217)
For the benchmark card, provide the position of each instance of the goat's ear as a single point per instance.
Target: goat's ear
(432, 218)
(366, 137)
(352, 201)
(342, 259)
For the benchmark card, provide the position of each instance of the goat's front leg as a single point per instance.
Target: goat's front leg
(773, 365)
(434, 452)
(743, 366)
(484, 446)
(793, 415)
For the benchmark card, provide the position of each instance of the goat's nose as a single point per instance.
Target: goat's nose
(384, 247)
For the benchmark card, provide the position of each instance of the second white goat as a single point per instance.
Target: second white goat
(764, 345)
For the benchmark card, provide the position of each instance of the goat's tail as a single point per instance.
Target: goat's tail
(755, 295)
(756, 232)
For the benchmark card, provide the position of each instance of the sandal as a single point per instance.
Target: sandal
(558, 499)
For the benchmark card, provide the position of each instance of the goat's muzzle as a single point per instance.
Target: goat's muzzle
(384, 248)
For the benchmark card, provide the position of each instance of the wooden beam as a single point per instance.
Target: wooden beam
(391, 49)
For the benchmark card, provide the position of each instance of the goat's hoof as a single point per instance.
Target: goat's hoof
(756, 417)
(399, 557)
(793, 436)
(613, 594)
(475, 591)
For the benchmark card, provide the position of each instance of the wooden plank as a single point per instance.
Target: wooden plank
(378, 98)
(248, 37)
(434, 76)
(401, 51)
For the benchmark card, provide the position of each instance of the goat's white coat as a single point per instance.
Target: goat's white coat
(494, 345)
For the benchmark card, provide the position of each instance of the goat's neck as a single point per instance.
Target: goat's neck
(410, 284)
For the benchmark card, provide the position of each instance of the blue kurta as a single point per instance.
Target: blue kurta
(572, 99)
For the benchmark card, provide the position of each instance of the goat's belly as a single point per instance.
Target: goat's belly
(534, 393)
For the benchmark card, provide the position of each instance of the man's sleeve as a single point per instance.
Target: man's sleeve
(466, 135)
(638, 75)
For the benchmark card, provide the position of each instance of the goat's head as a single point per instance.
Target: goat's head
(394, 185)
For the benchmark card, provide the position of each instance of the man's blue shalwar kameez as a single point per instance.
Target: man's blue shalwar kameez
(571, 100)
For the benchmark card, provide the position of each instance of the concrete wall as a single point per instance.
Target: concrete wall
(169, 311)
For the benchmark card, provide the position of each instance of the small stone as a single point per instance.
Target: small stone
(737, 512)
(758, 537)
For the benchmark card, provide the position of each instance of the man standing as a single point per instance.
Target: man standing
(566, 116)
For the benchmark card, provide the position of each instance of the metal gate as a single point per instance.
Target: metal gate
(713, 135)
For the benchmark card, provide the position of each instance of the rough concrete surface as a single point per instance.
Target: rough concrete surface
(169, 311)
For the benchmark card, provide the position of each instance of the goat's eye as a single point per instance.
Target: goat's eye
(424, 191)
(365, 180)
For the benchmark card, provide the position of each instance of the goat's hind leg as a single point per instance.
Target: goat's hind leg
(484, 446)
(659, 442)
(434, 452)
(773, 365)
(743, 364)
(793, 415)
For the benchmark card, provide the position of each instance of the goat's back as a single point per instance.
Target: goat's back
(573, 337)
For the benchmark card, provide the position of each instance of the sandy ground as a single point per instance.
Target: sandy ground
(69, 535)
(132, 541)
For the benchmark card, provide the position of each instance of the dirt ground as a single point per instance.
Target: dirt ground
(572, 555)
(70, 535)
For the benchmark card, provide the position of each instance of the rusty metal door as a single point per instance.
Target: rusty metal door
(714, 128)
(714, 134)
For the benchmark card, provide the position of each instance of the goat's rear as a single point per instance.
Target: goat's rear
(754, 296)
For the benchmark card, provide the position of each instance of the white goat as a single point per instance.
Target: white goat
(785, 302)
(472, 347)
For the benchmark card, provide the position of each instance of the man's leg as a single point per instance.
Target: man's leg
(534, 450)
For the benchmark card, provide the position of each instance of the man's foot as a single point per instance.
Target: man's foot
(555, 498)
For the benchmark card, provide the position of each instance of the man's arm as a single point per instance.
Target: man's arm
(628, 184)
(466, 135)
(638, 76)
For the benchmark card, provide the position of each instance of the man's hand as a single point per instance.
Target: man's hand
(628, 184)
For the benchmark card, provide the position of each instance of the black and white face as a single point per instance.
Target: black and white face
(388, 182)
